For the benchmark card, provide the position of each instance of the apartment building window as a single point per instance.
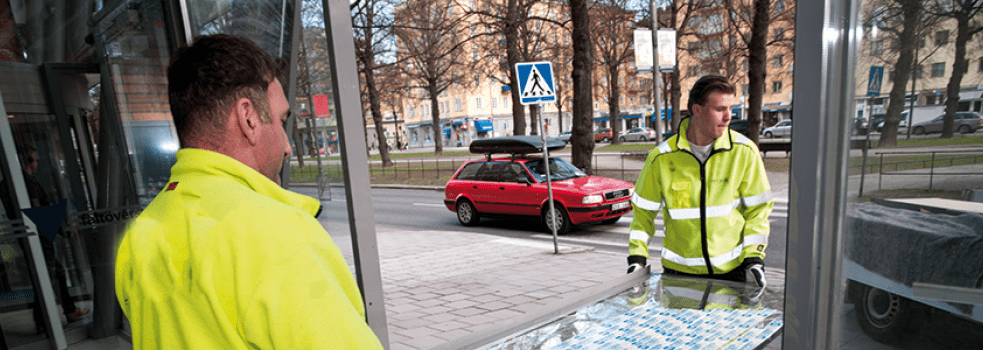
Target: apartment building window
(474, 29)
(631, 81)
(631, 100)
(938, 70)
(596, 106)
(744, 65)
(621, 80)
(568, 39)
(621, 100)
(876, 47)
(744, 90)
(474, 53)
(778, 33)
(921, 41)
(776, 61)
(471, 5)
(505, 102)
(941, 37)
(494, 102)
(918, 71)
(412, 112)
(692, 71)
(980, 68)
(776, 87)
(604, 80)
(424, 110)
(779, 6)
(478, 103)
(693, 46)
(477, 79)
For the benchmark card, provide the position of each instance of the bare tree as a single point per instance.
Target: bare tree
(522, 29)
(901, 17)
(678, 15)
(963, 11)
(749, 42)
(372, 29)
(612, 27)
(885, 23)
(583, 65)
(431, 38)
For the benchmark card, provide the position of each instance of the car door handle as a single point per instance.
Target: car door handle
(502, 188)
(475, 187)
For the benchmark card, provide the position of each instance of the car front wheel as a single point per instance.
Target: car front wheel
(919, 130)
(964, 129)
(466, 213)
(622, 139)
(768, 135)
(562, 220)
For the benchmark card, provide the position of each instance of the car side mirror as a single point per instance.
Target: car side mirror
(525, 180)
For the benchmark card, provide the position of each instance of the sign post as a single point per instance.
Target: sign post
(873, 90)
(535, 87)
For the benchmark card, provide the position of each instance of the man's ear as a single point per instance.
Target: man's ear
(246, 119)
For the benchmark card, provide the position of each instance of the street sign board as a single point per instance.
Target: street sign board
(667, 50)
(874, 82)
(643, 50)
(535, 82)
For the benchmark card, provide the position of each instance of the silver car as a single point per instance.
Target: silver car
(638, 134)
(782, 129)
(565, 136)
(965, 122)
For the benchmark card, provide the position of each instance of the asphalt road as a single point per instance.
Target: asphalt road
(402, 209)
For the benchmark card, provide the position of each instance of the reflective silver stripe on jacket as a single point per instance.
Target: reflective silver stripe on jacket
(712, 212)
(757, 200)
(638, 235)
(646, 204)
(715, 261)
(664, 147)
(755, 239)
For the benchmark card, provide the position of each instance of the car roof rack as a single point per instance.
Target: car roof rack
(514, 145)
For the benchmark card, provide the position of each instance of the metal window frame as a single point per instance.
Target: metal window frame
(818, 174)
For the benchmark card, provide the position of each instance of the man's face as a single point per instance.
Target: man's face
(273, 141)
(712, 119)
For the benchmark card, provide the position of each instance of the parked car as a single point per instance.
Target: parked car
(638, 134)
(782, 129)
(964, 122)
(877, 120)
(515, 185)
(739, 125)
(565, 136)
(603, 135)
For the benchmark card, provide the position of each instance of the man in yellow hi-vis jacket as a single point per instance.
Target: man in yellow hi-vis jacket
(710, 184)
(224, 257)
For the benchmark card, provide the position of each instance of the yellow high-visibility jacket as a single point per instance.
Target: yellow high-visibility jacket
(715, 214)
(224, 258)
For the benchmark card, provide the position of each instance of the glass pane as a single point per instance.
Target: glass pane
(914, 223)
(267, 22)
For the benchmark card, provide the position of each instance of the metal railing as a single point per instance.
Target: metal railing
(624, 166)
(945, 158)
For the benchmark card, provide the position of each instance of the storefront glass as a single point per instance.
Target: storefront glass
(912, 233)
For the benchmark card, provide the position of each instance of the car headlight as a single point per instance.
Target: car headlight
(593, 199)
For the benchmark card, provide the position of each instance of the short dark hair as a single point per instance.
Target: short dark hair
(705, 86)
(206, 78)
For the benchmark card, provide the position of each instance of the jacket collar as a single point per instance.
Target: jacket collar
(722, 143)
(193, 162)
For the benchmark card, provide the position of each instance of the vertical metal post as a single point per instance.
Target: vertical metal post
(338, 30)
(931, 171)
(826, 43)
(863, 168)
(911, 105)
(656, 81)
(549, 182)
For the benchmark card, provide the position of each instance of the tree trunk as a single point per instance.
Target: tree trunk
(376, 110)
(298, 140)
(674, 88)
(614, 109)
(438, 138)
(583, 119)
(757, 73)
(513, 56)
(910, 10)
(958, 70)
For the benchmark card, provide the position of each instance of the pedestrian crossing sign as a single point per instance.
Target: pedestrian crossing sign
(535, 82)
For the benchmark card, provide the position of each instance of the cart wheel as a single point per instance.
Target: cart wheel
(466, 213)
(888, 318)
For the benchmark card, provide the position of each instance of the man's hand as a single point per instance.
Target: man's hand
(755, 273)
(636, 262)
(633, 267)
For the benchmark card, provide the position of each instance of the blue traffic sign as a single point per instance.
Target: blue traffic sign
(535, 82)
(874, 82)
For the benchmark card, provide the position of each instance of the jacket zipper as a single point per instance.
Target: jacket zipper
(703, 208)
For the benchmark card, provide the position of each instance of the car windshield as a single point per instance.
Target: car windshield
(559, 170)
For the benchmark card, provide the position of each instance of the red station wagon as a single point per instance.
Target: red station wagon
(516, 186)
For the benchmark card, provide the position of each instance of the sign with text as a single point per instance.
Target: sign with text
(643, 50)
(667, 50)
